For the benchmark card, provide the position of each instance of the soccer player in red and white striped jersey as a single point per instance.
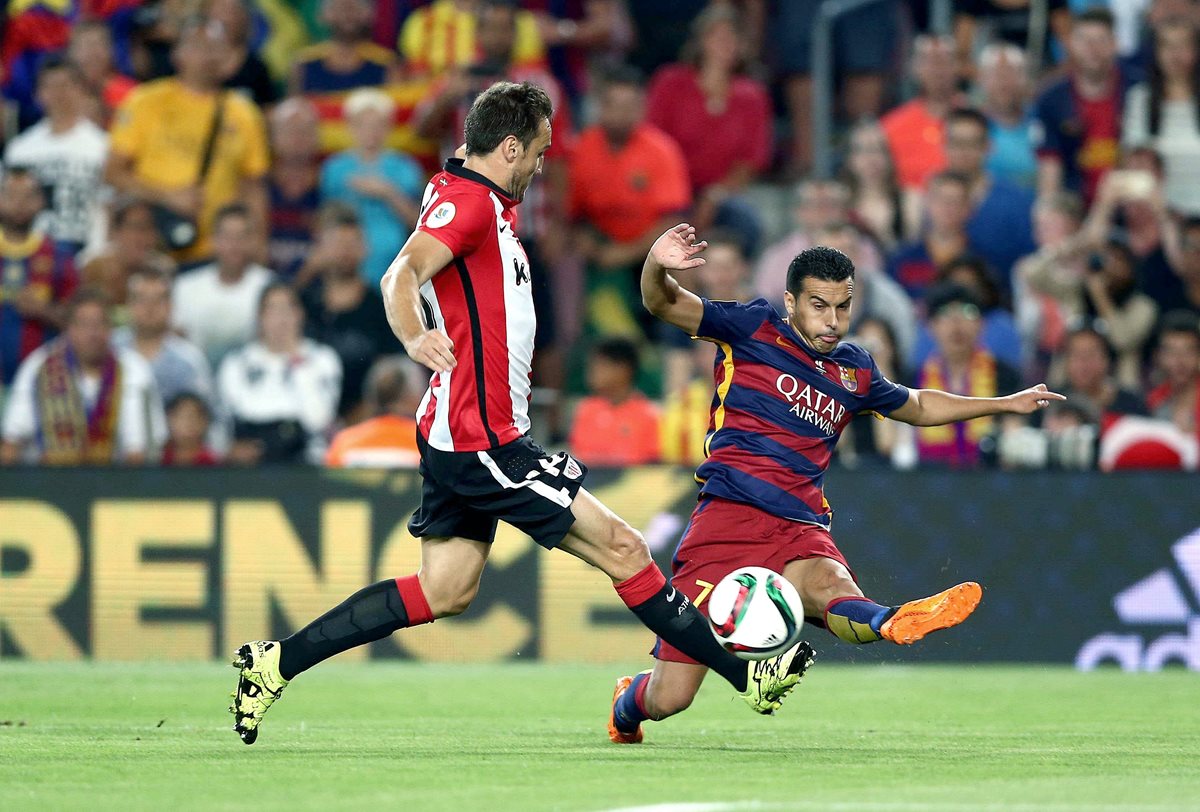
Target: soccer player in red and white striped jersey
(459, 297)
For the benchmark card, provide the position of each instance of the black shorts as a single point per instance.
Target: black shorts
(465, 493)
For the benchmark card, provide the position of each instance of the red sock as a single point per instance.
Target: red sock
(413, 598)
(642, 587)
(639, 696)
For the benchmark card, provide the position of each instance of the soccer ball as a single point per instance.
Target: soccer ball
(755, 613)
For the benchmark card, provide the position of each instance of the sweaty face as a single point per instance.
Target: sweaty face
(529, 161)
(820, 312)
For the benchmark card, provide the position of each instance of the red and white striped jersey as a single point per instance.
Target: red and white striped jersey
(483, 301)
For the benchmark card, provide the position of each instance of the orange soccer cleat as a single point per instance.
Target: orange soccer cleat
(918, 618)
(620, 736)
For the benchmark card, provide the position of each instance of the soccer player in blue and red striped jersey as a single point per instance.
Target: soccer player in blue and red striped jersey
(785, 390)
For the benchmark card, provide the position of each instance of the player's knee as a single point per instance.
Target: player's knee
(447, 597)
(628, 552)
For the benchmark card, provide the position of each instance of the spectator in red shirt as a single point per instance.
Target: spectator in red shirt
(1079, 116)
(188, 419)
(628, 184)
(617, 424)
(91, 48)
(721, 120)
(915, 131)
(1177, 398)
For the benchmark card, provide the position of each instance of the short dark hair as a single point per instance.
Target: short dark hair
(275, 286)
(505, 109)
(620, 351)
(819, 262)
(944, 294)
(950, 176)
(337, 214)
(1088, 330)
(1097, 15)
(188, 397)
(969, 114)
(55, 62)
(987, 291)
(1179, 321)
(621, 74)
(230, 210)
(83, 297)
(126, 206)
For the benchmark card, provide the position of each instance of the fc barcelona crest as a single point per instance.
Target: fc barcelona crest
(849, 378)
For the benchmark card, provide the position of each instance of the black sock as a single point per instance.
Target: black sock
(371, 613)
(674, 618)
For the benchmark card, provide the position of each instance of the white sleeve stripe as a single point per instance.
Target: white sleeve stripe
(560, 497)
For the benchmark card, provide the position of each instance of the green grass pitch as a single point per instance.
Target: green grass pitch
(531, 737)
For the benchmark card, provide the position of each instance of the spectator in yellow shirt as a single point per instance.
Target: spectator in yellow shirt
(441, 36)
(161, 132)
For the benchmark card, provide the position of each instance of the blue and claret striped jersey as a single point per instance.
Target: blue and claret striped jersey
(779, 409)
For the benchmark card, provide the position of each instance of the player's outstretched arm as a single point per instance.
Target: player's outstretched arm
(418, 261)
(662, 295)
(932, 407)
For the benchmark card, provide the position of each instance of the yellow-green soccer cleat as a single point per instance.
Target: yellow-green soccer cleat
(771, 680)
(259, 685)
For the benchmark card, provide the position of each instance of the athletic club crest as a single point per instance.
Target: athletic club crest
(849, 378)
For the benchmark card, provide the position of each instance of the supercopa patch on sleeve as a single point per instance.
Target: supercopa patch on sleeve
(440, 216)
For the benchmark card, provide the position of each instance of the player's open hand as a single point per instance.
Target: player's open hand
(677, 248)
(1032, 399)
(433, 349)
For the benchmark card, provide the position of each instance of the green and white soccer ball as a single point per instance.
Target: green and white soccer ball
(755, 613)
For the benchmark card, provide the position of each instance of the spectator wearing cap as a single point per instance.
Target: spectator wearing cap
(1000, 228)
(959, 364)
(1177, 397)
(1087, 361)
(381, 185)
(387, 439)
(616, 424)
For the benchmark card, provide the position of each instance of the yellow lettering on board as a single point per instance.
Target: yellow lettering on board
(46, 537)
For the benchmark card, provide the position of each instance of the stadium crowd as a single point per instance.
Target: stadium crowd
(199, 198)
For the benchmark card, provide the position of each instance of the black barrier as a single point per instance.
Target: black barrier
(126, 564)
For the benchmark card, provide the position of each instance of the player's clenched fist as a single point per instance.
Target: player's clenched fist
(433, 349)
(1032, 399)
